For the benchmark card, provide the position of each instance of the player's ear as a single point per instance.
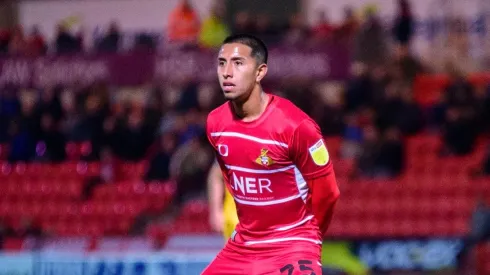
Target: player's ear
(261, 72)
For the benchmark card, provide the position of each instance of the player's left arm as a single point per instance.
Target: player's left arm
(310, 155)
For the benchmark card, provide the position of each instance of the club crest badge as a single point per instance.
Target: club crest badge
(264, 159)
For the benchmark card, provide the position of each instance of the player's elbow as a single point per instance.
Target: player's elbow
(326, 188)
(335, 198)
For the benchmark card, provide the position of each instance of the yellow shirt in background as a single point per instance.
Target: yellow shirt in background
(213, 32)
(230, 215)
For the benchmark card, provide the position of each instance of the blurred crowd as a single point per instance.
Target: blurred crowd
(164, 122)
(186, 29)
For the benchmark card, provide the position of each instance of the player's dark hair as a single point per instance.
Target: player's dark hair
(259, 49)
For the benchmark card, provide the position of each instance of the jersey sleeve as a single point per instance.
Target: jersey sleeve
(308, 150)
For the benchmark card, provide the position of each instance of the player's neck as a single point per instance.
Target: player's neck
(253, 107)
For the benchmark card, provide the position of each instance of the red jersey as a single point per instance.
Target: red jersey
(266, 164)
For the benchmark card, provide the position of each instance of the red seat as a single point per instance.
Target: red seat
(66, 170)
(73, 189)
(93, 169)
(73, 151)
(106, 192)
(87, 210)
(428, 89)
(131, 170)
(122, 226)
(93, 229)
(124, 190)
(479, 80)
(196, 209)
(4, 151)
(5, 170)
(422, 227)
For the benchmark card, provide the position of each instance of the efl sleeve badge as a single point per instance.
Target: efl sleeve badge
(319, 153)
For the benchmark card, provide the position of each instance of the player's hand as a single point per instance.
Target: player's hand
(216, 221)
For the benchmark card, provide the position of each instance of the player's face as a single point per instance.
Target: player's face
(238, 71)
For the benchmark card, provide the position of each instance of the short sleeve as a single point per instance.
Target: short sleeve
(308, 150)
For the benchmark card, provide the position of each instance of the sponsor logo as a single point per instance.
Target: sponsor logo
(250, 185)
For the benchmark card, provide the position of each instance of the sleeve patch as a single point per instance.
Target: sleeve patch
(319, 153)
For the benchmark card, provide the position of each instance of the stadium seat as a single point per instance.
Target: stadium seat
(72, 150)
(479, 80)
(131, 171)
(4, 151)
(428, 89)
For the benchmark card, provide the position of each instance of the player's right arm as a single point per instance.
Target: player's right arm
(215, 198)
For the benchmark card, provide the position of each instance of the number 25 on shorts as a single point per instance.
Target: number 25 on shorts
(303, 265)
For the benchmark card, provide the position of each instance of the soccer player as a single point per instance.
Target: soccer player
(276, 166)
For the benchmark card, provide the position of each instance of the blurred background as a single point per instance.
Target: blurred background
(103, 155)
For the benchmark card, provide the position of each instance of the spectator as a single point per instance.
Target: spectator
(458, 134)
(130, 139)
(90, 126)
(323, 30)
(5, 35)
(110, 42)
(159, 168)
(403, 27)
(214, 30)
(188, 98)
(52, 142)
(35, 43)
(390, 162)
(9, 102)
(65, 42)
(349, 26)
(411, 120)
(193, 127)
(242, 23)
(408, 65)
(367, 160)
(380, 79)
(389, 112)
(329, 115)
(154, 108)
(189, 165)
(352, 137)
(265, 30)
(183, 25)
(17, 44)
(297, 31)
(460, 114)
(370, 44)
(50, 103)
(24, 130)
(71, 116)
(359, 89)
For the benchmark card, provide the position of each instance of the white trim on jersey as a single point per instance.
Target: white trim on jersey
(259, 171)
(301, 184)
(283, 228)
(284, 240)
(261, 203)
(252, 138)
